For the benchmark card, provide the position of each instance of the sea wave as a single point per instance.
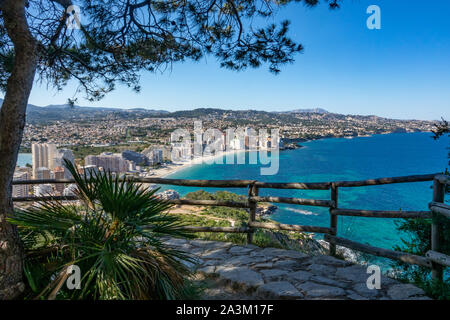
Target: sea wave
(304, 212)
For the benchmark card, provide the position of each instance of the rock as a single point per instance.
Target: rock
(328, 260)
(211, 245)
(212, 262)
(245, 260)
(348, 254)
(200, 243)
(265, 209)
(191, 265)
(207, 269)
(264, 265)
(273, 274)
(241, 276)
(274, 252)
(355, 273)
(280, 290)
(168, 195)
(361, 289)
(301, 276)
(293, 254)
(405, 292)
(285, 264)
(328, 281)
(175, 242)
(314, 290)
(239, 250)
(197, 251)
(216, 254)
(322, 269)
(354, 296)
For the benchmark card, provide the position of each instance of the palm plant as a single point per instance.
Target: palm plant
(114, 234)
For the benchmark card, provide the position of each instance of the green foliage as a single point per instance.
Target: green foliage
(222, 212)
(419, 243)
(261, 238)
(219, 195)
(115, 236)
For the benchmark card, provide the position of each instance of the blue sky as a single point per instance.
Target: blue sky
(401, 71)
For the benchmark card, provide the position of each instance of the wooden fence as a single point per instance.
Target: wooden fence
(433, 259)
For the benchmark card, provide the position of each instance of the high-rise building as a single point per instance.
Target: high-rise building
(155, 156)
(70, 190)
(43, 190)
(166, 151)
(137, 158)
(42, 156)
(58, 160)
(59, 173)
(43, 173)
(107, 161)
(60, 155)
(21, 190)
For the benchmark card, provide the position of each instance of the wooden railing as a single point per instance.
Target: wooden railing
(433, 259)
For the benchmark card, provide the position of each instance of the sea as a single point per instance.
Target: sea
(336, 159)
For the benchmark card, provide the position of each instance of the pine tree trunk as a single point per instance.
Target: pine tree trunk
(12, 122)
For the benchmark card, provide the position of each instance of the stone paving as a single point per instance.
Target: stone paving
(271, 273)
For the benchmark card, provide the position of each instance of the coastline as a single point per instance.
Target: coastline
(172, 168)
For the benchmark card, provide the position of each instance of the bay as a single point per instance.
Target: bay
(336, 159)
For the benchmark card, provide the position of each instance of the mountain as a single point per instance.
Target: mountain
(313, 110)
(66, 112)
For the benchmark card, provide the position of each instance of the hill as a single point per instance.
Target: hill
(36, 114)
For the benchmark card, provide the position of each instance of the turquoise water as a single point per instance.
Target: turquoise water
(346, 159)
(23, 159)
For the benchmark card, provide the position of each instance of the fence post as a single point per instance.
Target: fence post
(252, 192)
(333, 217)
(438, 196)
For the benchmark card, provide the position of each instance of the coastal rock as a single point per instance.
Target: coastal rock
(168, 195)
(346, 253)
(265, 209)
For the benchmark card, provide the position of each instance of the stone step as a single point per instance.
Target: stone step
(271, 273)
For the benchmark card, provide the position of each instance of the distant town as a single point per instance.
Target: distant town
(138, 143)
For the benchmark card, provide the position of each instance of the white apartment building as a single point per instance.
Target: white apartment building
(155, 156)
(43, 190)
(107, 161)
(42, 156)
(70, 190)
(43, 173)
(58, 160)
(21, 190)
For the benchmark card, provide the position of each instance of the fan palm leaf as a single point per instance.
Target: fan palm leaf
(114, 235)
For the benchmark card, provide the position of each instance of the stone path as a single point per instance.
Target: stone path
(270, 273)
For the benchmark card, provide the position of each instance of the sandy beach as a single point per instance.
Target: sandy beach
(171, 168)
